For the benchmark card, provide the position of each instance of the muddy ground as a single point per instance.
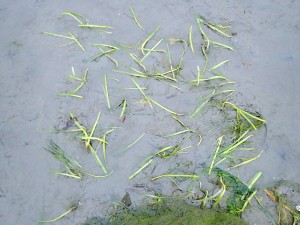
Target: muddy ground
(265, 66)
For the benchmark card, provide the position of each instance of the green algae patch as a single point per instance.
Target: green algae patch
(173, 213)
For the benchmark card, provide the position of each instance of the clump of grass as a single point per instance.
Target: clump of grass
(244, 120)
(72, 167)
(88, 137)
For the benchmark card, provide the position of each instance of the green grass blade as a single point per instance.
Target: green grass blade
(206, 99)
(76, 40)
(220, 64)
(163, 107)
(135, 19)
(191, 39)
(222, 45)
(148, 38)
(124, 102)
(57, 35)
(192, 176)
(95, 26)
(212, 27)
(219, 143)
(151, 50)
(140, 169)
(73, 208)
(246, 161)
(105, 89)
(254, 179)
(75, 16)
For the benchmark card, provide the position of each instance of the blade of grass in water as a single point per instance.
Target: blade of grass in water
(76, 17)
(218, 65)
(214, 28)
(206, 99)
(73, 208)
(191, 39)
(140, 169)
(192, 176)
(95, 26)
(246, 161)
(105, 89)
(219, 142)
(135, 19)
(151, 50)
(137, 61)
(83, 81)
(148, 38)
(124, 102)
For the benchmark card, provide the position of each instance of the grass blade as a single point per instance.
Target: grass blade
(76, 17)
(191, 40)
(220, 64)
(95, 26)
(135, 19)
(73, 208)
(140, 169)
(192, 176)
(148, 38)
(105, 89)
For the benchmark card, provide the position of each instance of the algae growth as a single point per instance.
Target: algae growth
(172, 213)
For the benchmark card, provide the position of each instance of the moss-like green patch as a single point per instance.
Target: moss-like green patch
(172, 213)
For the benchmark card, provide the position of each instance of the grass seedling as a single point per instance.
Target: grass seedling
(72, 167)
(219, 142)
(76, 17)
(104, 144)
(82, 82)
(73, 208)
(218, 65)
(222, 45)
(134, 57)
(124, 103)
(95, 26)
(223, 153)
(135, 19)
(153, 101)
(70, 37)
(250, 118)
(131, 74)
(170, 151)
(148, 39)
(191, 39)
(170, 60)
(105, 89)
(150, 50)
(246, 161)
(107, 53)
(190, 176)
(88, 137)
(205, 101)
(187, 130)
(141, 168)
(216, 29)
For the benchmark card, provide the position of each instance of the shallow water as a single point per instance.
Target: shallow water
(33, 67)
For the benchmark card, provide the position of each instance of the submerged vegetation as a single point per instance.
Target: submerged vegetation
(210, 183)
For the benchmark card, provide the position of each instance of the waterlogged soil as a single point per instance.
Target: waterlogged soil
(34, 69)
